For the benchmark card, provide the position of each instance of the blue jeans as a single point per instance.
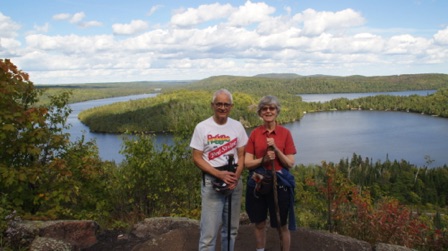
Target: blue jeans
(214, 215)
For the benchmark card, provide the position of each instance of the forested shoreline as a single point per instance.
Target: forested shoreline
(187, 105)
(45, 176)
(258, 85)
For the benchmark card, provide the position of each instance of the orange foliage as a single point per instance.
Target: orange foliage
(353, 213)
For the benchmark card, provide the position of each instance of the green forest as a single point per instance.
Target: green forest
(186, 105)
(45, 176)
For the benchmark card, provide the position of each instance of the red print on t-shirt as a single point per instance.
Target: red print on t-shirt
(222, 149)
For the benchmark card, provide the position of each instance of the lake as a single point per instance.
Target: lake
(328, 136)
(328, 97)
(377, 135)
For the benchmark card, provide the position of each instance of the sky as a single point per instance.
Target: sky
(94, 41)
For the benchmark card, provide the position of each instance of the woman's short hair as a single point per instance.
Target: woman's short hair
(268, 100)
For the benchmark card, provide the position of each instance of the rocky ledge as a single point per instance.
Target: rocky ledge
(165, 233)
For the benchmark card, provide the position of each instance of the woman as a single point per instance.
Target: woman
(270, 145)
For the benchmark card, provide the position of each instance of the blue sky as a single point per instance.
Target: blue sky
(91, 41)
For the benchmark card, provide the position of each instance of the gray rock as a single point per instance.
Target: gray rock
(80, 234)
(390, 247)
(49, 244)
(151, 227)
(166, 233)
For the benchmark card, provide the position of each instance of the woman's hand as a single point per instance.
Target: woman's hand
(272, 148)
(271, 143)
(270, 155)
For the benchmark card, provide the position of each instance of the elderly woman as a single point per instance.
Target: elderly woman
(270, 146)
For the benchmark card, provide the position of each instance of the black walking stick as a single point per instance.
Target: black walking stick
(229, 222)
(231, 168)
(277, 209)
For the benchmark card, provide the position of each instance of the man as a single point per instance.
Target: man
(214, 141)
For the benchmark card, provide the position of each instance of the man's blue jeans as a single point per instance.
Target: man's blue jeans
(214, 215)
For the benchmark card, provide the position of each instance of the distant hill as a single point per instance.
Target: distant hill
(292, 76)
(184, 106)
(280, 84)
(279, 75)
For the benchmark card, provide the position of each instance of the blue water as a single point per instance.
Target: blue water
(328, 97)
(376, 135)
(328, 136)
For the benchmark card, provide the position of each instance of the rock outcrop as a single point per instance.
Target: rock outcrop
(52, 235)
(166, 233)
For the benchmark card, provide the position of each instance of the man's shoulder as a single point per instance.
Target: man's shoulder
(234, 121)
(204, 122)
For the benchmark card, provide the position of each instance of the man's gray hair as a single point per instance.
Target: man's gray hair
(222, 91)
(268, 100)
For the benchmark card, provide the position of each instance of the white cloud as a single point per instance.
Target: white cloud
(251, 13)
(153, 9)
(218, 39)
(203, 13)
(9, 48)
(275, 25)
(9, 45)
(406, 44)
(42, 29)
(8, 28)
(71, 44)
(315, 23)
(366, 42)
(89, 24)
(441, 37)
(135, 27)
(62, 16)
(77, 17)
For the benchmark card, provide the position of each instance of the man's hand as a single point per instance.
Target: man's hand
(230, 178)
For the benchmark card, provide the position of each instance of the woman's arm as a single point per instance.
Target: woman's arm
(250, 162)
(286, 160)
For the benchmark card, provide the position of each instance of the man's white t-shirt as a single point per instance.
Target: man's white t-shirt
(217, 141)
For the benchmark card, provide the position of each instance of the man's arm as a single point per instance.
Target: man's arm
(240, 167)
(226, 176)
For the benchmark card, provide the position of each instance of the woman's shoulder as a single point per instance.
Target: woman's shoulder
(281, 128)
(259, 128)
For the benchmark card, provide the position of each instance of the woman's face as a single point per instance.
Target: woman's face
(269, 113)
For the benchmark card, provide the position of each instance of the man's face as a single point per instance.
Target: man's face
(222, 106)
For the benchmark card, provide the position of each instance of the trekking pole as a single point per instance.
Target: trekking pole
(230, 168)
(229, 222)
(277, 209)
